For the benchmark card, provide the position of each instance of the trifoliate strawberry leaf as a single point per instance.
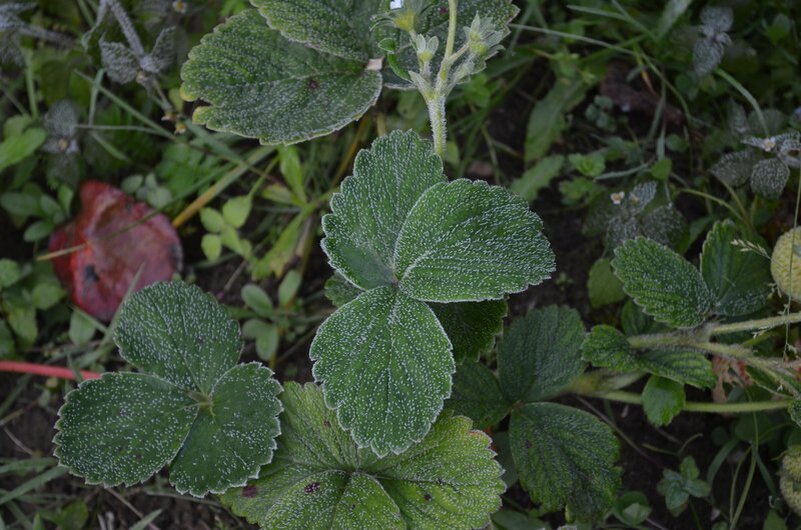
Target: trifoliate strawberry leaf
(260, 85)
(385, 364)
(471, 326)
(740, 280)
(540, 354)
(662, 400)
(468, 241)
(565, 457)
(662, 283)
(331, 26)
(368, 214)
(477, 395)
(320, 479)
(195, 408)
(396, 221)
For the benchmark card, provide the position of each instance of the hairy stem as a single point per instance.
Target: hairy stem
(757, 324)
(692, 406)
(435, 100)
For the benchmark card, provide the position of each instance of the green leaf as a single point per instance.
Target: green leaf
(540, 354)
(46, 295)
(195, 409)
(368, 213)
(235, 211)
(678, 487)
(662, 400)
(471, 326)
(122, 428)
(233, 436)
(538, 177)
(288, 289)
(606, 347)
(179, 333)
(212, 220)
(396, 221)
(547, 121)
(565, 457)
(82, 328)
(260, 85)
(672, 12)
(603, 287)
(256, 299)
(690, 367)
(740, 281)
(17, 148)
(477, 395)
(339, 290)
(385, 364)
(320, 479)
(212, 246)
(468, 241)
(9, 273)
(663, 283)
(331, 26)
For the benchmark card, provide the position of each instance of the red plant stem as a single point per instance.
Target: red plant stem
(43, 369)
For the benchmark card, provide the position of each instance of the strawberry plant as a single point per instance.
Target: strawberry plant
(422, 372)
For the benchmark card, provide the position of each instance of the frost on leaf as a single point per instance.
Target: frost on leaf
(403, 234)
(769, 177)
(468, 241)
(606, 347)
(662, 283)
(565, 457)
(213, 420)
(540, 354)
(260, 85)
(368, 214)
(320, 479)
(331, 26)
(385, 364)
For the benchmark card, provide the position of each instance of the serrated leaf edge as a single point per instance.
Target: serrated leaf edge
(359, 441)
(57, 438)
(636, 299)
(256, 468)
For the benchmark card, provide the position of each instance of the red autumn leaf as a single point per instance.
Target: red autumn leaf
(114, 243)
